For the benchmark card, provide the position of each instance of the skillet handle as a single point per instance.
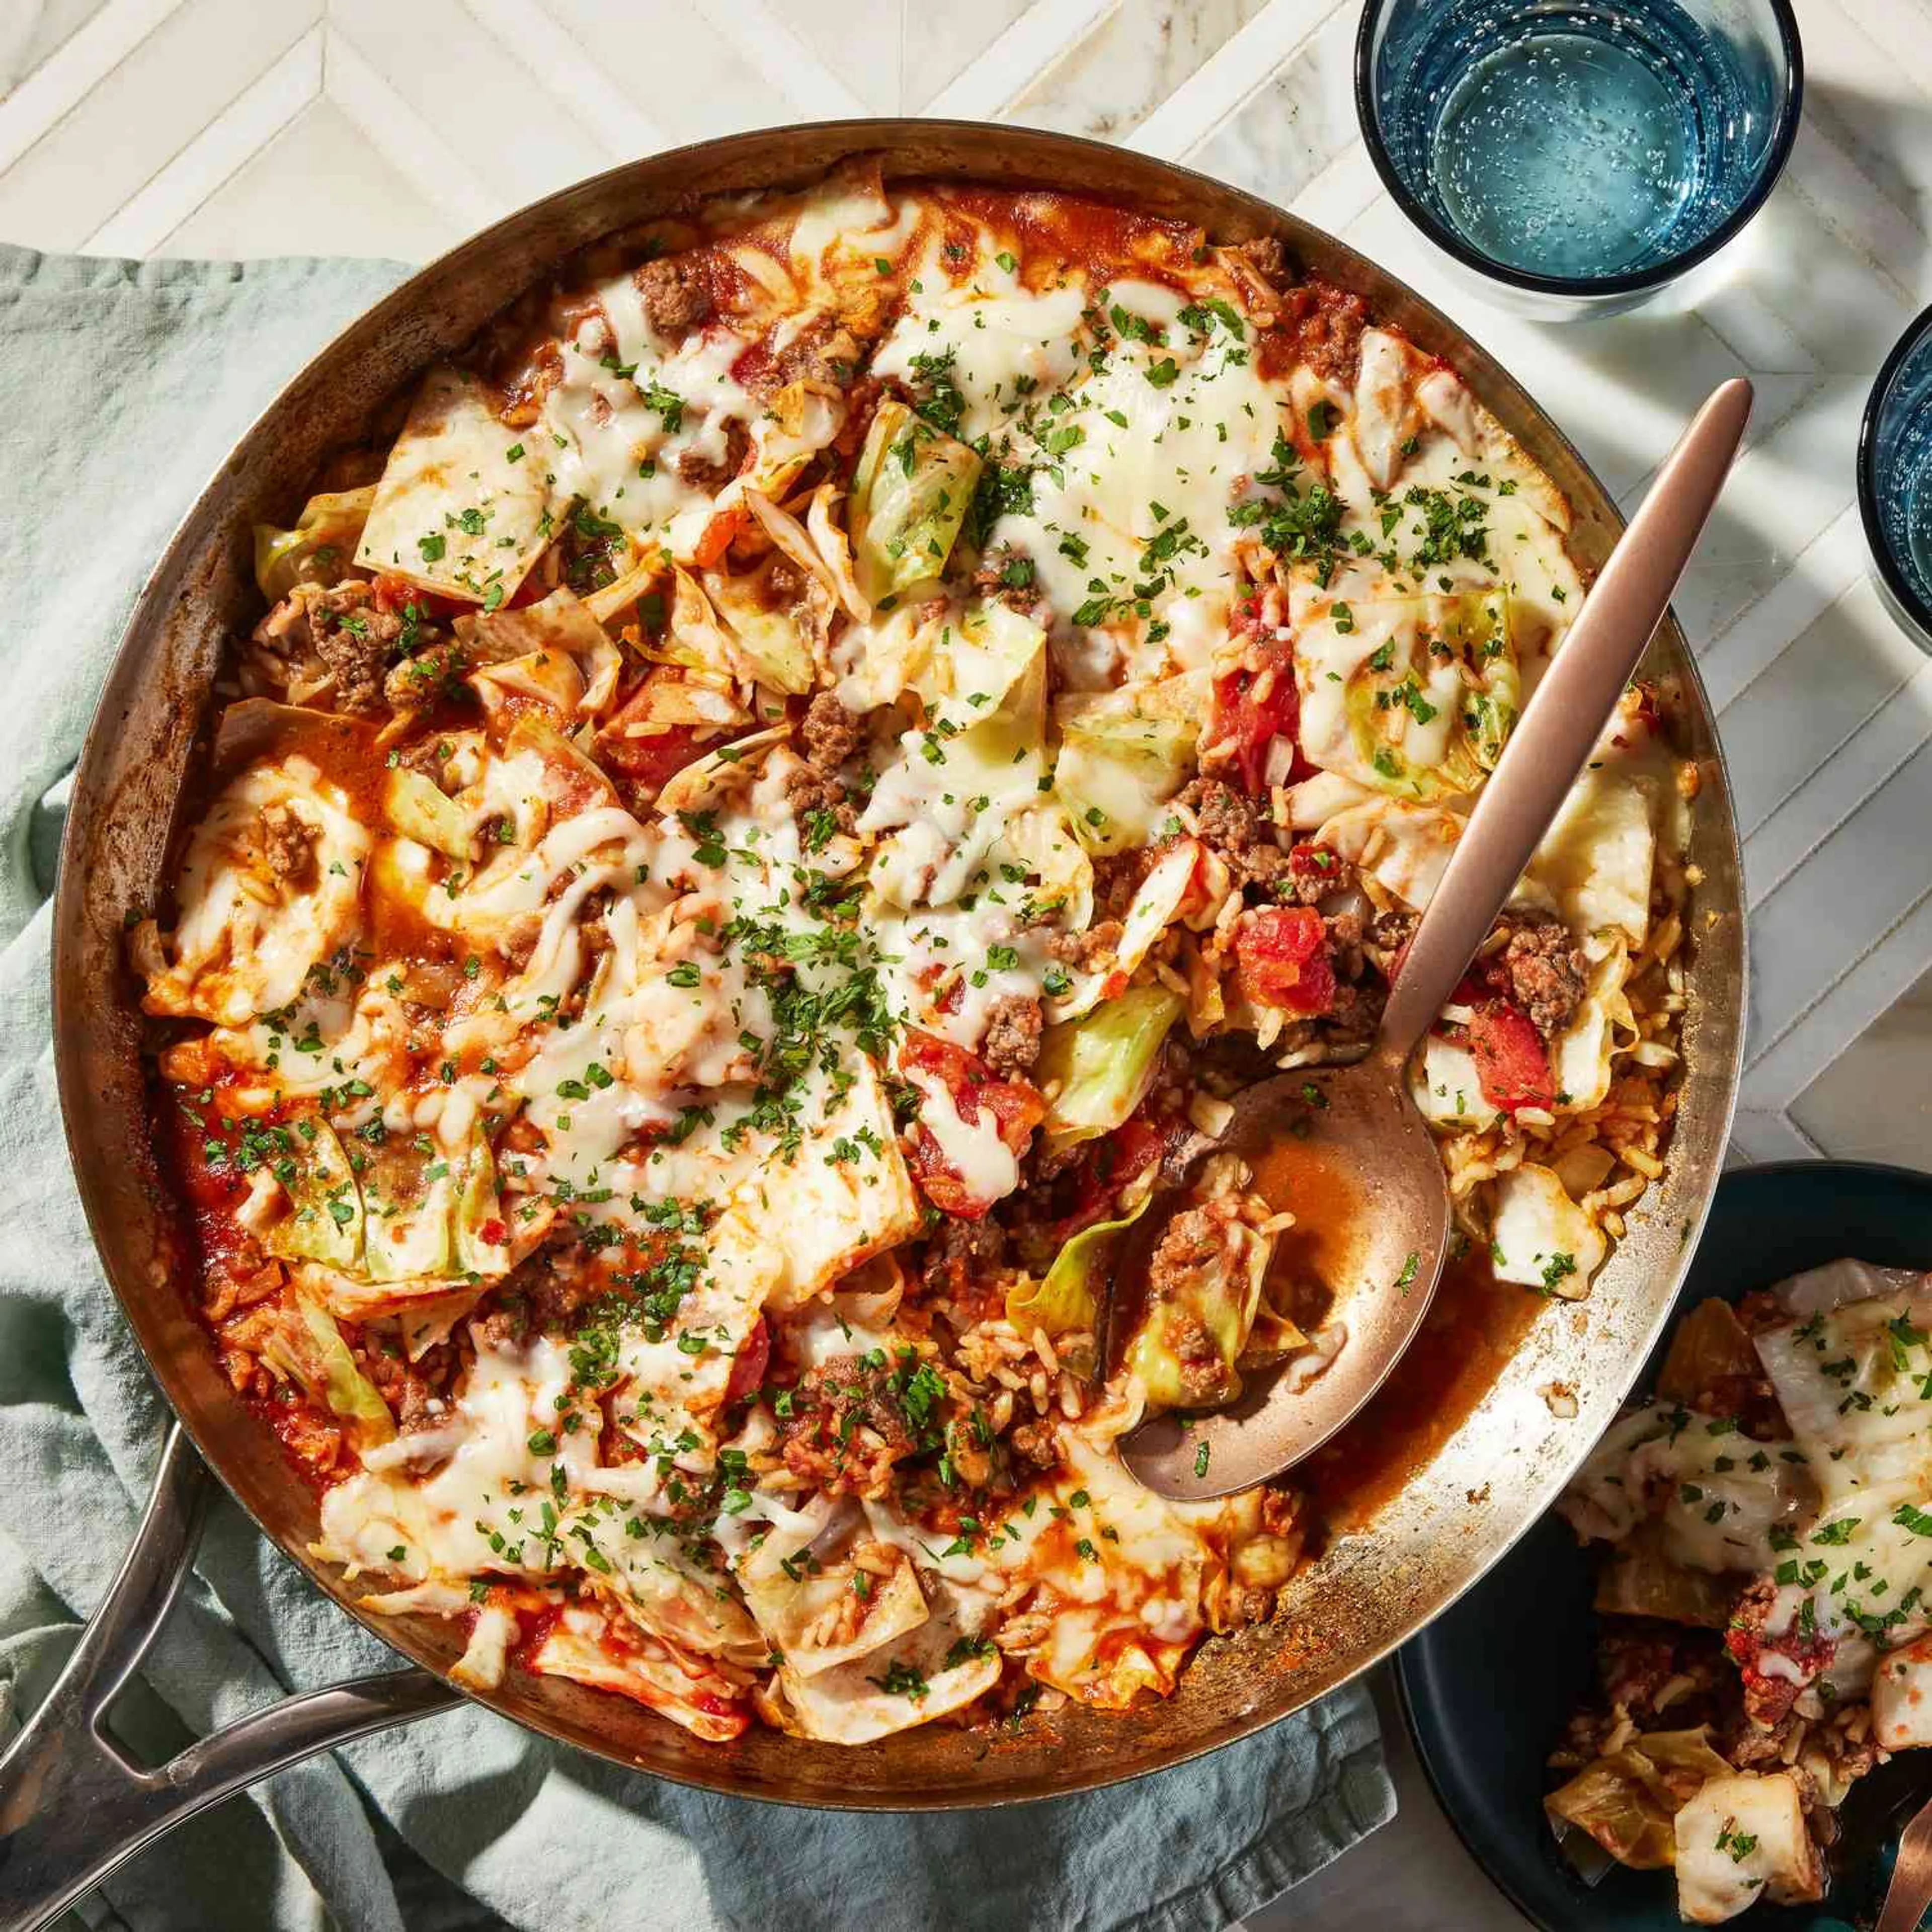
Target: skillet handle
(74, 1806)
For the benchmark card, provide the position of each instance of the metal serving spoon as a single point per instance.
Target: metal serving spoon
(1910, 1890)
(1351, 1137)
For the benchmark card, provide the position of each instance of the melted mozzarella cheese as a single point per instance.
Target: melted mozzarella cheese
(626, 444)
(247, 935)
(1143, 497)
(1008, 349)
(455, 510)
(972, 1149)
(1728, 1504)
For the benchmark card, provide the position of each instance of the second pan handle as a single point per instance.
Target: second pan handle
(74, 1806)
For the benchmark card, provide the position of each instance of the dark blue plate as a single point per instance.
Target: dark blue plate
(1488, 1687)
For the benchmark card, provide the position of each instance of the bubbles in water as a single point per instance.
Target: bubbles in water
(1565, 155)
(1574, 140)
(1904, 468)
(1915, 460)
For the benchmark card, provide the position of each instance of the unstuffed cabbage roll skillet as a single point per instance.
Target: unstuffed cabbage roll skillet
(763, 815)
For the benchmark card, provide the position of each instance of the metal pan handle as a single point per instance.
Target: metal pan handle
(74, 1806)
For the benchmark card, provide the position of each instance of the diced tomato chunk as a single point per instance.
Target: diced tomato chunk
(494, 1231)
(395, 593)
(1511, 1062)
(1250, 722)
(534, 1625)
(945, 1188)
(1768, 1695)
(748, 1365)
(1017, 1107)
(651, 760)
(1131, 1148)
(717, 539)
(752, 365)
(1281, 957)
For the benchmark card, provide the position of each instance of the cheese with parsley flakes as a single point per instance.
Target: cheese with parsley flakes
(464, 506)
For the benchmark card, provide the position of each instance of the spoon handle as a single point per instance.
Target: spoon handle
(1561, 724)
(1910, 1890)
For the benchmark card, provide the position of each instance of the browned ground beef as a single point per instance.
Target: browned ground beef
(1767, 1698)
(704, 472)
(1544, 973)
(1003, 573)
(1314, 874)
(1187, 1247)
(1235, 827)
(1343, 933)
(288, 845)
(675, 297)
(846, 1429)
(830, 734)
(1267, 256)
(1327, 324)
(1011, 1044)
(1748, 1745)
(809, 792)
(1037, 1443)
(1083, 948)
(1117, 877)
(1390, 932)
(353, 640)
(961, 1254)
(827, 737)
(1634, 1661)
(418, 682)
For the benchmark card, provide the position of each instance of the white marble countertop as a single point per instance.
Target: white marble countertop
(238, 128)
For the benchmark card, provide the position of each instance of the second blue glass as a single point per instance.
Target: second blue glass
(1590, 152)
(1895, 478)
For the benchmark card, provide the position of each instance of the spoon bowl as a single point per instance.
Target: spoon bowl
(1356, 1126)
(1343, 1150)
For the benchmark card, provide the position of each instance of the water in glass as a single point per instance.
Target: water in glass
(1577, 140)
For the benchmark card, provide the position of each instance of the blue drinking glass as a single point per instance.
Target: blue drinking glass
(1895, 478)
(1578, 155)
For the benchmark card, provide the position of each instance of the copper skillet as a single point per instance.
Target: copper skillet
(64, 1787)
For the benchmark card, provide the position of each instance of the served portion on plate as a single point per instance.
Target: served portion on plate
(1769, 1520)
(769, 808)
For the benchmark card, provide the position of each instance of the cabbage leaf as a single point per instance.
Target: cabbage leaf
(1066, 1301)
(1217, 1298)
(419, 808)
(1413, 696)
(1102, 1063)
(319, 549)
(476, 1209)
(770, 641)
(1628, 1801)
(326, 1221)
(307, 1346)
(410, 1201)
(1120, 763)
(910, 496)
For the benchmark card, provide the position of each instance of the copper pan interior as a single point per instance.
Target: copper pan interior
(1369, 1592)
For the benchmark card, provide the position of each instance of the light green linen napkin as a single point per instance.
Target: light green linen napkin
(122, 386)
